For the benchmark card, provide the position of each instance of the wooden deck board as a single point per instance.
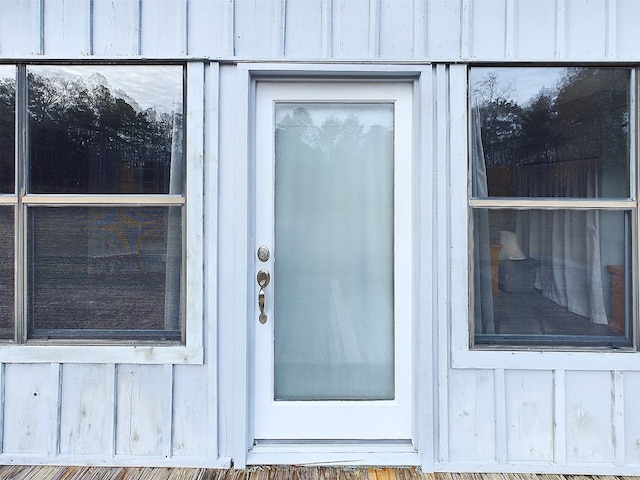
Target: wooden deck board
(18, 472)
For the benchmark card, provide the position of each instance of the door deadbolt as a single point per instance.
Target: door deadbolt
(263, 253)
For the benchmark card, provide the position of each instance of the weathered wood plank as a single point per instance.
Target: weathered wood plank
(529, 409)
(191, 411)
(28, 409)
(163, 28)
(443, 29)
(487, 29)
(143, 391)
(589, 417)
(534, 19)
(209, 17)
(627, 33)
(253, 37)
(586, 29)
(83, 416)
(67, 28)
(20, 26)
(303, 29)
(396, 29)
(350, 28)
(116, 28)
(471, 403)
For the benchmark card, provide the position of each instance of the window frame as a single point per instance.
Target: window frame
(467, 354)
(106, 349)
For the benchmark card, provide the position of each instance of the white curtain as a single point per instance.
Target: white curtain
(174, 274)
(483, 295)
(566, 243)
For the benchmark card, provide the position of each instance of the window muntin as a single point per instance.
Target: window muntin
(95, 259)
(552, 214)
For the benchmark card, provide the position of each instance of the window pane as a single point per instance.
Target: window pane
(552, 273)
(550, 132)
(105, 268)
(7, 128)
(7, 272)
(333, 282)
(105, 129)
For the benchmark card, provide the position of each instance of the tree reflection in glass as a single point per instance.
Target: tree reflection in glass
(105, 129)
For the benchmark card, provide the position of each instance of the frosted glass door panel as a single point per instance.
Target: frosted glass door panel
(333, 270)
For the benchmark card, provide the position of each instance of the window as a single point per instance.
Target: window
(93, 205)
(552, 205)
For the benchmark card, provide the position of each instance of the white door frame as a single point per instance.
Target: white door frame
(421, 448)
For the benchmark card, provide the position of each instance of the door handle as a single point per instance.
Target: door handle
(263, 278)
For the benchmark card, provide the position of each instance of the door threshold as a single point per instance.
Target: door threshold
(339, 452)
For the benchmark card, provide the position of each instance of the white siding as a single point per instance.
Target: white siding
(487, 418)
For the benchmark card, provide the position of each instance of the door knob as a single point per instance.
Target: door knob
(263, 279)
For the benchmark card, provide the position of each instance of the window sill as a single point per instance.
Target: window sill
(133, 354)
(589, 358)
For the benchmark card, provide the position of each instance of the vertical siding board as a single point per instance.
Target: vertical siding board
(253, 36)
(419, 29)
(374, 28)
(500, 415)
(19, 28)
(116, 28)
(631, 388)
(396, 35)
(206, 30)
(589, 412)
(67, 28)
(561, 29)
(304, 29)
(350, 30)
(111, 389)
(487, 29)
(28, 408)
(471, 410)
(441, 310)
(626, 29)
(586, 35)
(443, 29)
(54, 409)
(141, 406)
(84, 414)
(529, 415)
(618, 417)
(190, 411)
(163, 28)
(560, 417)
(534, 29)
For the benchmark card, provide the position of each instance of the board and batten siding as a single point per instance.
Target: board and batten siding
(486, 418)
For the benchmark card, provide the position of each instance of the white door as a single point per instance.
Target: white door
(332, 327)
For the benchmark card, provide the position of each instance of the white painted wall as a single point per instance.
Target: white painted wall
(549, 414)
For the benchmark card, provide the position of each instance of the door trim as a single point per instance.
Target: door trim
(238, 442)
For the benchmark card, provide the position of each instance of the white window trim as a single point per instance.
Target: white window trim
(457, 313)
(147, 352)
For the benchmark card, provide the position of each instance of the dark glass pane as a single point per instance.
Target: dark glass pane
(552, 275)
(7, 272)
(105, 268)
(106, 129)
(550, 132)
(7, 128)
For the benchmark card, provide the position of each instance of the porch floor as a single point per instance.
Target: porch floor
(15, 472)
